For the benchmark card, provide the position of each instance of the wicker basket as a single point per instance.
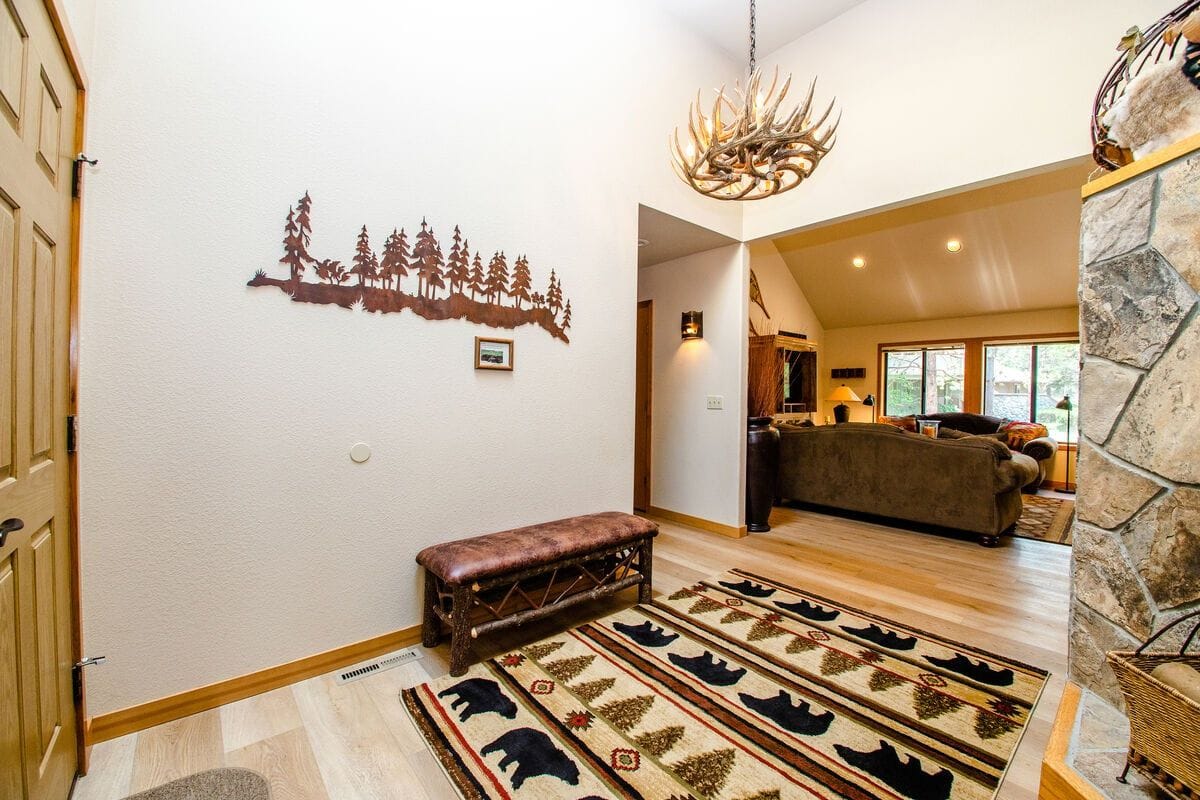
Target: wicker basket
(1164, 725)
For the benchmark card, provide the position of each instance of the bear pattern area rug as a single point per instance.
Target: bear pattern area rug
(738, 688)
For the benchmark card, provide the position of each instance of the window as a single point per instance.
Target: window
(1027, 381)
(923, 381)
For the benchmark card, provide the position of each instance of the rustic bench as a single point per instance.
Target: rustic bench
(505, 579)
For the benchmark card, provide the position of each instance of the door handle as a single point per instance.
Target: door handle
(8, 526)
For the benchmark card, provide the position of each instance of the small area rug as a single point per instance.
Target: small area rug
(1047, 519)
(739, 688)
(226, 783)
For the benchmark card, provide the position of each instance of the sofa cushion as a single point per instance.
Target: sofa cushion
(967, 422)
(951, 433)
(1018, 434)
(990, 439)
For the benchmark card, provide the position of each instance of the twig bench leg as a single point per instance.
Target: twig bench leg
(646, 567)
(460, 630)
(431, 626)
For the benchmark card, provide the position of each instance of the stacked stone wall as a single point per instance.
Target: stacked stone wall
(1136, 560)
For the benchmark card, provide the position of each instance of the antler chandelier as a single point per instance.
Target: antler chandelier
(744, 150)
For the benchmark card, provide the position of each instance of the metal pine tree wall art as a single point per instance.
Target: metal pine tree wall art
(419, 277)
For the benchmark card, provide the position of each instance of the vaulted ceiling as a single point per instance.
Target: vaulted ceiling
(725, 23)
(1020, 245)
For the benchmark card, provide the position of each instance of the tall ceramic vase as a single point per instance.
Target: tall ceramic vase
(762, 473)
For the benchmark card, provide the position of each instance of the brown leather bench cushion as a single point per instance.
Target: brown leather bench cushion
(493, 554)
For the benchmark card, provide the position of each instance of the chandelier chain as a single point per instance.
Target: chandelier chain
(753, 39)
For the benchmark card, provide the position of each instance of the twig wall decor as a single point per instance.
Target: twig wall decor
(457, 286)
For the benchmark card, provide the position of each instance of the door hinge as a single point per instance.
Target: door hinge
(72, 433)
(77, 173)
(77, 674)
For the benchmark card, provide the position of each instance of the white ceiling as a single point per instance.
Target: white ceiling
(668, 237)
(726, 23)
(1020, 252)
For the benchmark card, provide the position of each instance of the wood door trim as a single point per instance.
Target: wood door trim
(155, 712)
(649, 306)
(58, 18)
(66, 39)
(732, 531)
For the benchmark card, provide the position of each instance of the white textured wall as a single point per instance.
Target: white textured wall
(944, 93)
(698, 455)
(224, 527)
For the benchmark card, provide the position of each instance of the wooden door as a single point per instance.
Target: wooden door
(641, 425)
(38, 99)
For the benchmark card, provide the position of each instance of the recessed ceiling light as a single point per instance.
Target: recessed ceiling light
(954, 245)
(643, 242)
(859, 262)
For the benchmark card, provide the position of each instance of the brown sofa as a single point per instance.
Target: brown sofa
(1042, 450)
(967, 484)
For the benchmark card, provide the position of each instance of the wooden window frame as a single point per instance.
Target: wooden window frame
(972, 360)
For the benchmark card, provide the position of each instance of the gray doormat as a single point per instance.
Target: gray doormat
(227, 783)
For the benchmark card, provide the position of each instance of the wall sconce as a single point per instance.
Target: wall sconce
(691, 325)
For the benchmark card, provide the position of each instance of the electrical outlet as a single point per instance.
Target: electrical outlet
(716, 402)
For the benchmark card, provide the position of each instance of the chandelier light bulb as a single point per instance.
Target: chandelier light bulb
(954, 245)
(859, 262)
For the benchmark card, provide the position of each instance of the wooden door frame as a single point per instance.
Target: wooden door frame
(58, 18)
(649, 306)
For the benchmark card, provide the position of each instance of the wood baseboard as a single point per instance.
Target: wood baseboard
(146, 715)
(733, 532)
(1059, 781)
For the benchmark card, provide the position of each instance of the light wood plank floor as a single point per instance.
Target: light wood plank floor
(316, 740)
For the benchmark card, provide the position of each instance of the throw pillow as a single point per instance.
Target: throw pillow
(908, 423)
(1019, 434)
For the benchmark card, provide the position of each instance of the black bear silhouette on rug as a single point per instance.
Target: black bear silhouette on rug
(708, 669)
(809, 611)
(479, 696)
(907, 778)
(748, 589)
(888, 639)
(975, 670)
(535, 754)
(797, 719)
(646, 634)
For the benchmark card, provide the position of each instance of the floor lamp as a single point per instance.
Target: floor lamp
(1065, 405)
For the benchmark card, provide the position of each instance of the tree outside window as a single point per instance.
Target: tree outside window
(924, 381)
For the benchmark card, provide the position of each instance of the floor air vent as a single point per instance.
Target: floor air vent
(373, 666)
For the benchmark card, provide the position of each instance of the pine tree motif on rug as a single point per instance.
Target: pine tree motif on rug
(882, 681)
(590, 690)
(764, 630)
(771, 794)
(930, 704)
(992, 726)
(660, 741)
(706, 772)
(835, 662)
(799, 644)
(680, 594)
(704, 605)
(566, 669)
(735, 616)
(539, 651)
(625, 714)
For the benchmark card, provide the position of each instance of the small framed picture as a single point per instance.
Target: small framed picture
(493, 353)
